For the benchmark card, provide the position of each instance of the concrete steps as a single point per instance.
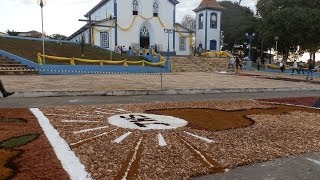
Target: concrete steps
(198, 64)
(12, 67)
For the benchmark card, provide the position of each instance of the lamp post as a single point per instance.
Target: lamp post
(42, 3)
(276, 39)
(250, 37)
(168, 31)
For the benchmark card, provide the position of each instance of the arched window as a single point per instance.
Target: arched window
(200, 21)
(135, 7)
(144, 32)
(155, 9)
(213, 20)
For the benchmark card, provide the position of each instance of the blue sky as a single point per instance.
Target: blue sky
(61, 16)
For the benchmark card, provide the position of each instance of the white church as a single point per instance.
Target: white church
(148, 23)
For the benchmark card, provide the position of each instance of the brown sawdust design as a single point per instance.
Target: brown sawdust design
(30, 161)
(217, 120)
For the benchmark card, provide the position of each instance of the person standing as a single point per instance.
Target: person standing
(295, 67)
(311, 65)
(4, 92)
(238, 63)
(258, 61)
(231, 63)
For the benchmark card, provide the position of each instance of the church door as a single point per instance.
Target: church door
(213, 45)
(144, 38)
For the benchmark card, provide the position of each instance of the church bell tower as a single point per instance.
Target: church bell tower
(208, 25)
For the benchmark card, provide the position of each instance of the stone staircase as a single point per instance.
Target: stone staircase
(198, 64)
(11, 67)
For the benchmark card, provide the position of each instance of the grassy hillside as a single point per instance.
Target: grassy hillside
(29, 49)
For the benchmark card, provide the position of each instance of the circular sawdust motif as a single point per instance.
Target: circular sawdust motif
(146, 121)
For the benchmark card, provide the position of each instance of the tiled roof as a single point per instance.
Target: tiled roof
(208, 4)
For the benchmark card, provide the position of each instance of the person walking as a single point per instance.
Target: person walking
(311, 65)
(295, 67)
(258, 62)
(282, 66)
(238, 63)
(301, 67)
(4, 92)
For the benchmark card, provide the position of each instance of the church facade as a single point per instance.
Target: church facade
(143, 24)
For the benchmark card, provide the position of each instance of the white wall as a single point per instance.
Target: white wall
(103, 12)
(157, 35)
(212, 34)
(96, 34)
(78, 37)
(187, 51)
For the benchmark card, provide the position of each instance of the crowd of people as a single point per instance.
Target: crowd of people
(300, 68)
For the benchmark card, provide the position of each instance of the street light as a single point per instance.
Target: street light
(42, 3)
(250, 38)
(168, 31)
(276, 39)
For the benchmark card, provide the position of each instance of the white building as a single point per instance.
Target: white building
(142, 23)
(208, 25)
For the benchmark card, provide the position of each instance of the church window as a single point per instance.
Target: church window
(182, 43)
(144, 32)
(200, 21)
(155, 9)
(104, 39)
(213, 20)
(135, 6)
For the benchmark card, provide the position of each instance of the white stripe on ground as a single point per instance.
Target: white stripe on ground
(78, 121)
(198, 152)
(161, 140)
(92, 129)
(313, 160)
(99, 135)
(132, 159)
(121, 138)
(70, 162)
(199, 137)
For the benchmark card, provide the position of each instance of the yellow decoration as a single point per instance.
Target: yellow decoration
(161, 23)
(223, 54)
(39, 58)
(102, 62)
(145, 17)
(129, 27)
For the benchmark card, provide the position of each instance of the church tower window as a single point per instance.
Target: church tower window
(155, 9)
(213, 20)
(135, 6)
(200, 26)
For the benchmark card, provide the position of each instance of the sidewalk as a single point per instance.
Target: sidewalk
(143, 84)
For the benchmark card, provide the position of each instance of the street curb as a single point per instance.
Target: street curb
(156, 92)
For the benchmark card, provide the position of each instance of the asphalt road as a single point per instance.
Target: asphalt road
(12, 102)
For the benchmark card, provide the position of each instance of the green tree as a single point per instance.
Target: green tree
(58, 36)
(12, 33)
(295, 22)
(236, 21)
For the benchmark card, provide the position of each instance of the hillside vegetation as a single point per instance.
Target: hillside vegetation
(28, 49)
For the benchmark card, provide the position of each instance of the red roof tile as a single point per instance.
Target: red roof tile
(208, 4)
